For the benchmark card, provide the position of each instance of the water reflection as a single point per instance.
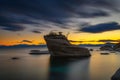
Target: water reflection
(44, 67)
(69, 69)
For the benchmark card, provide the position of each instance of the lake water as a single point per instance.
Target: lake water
(44, 67)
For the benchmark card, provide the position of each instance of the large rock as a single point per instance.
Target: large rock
(107, 46)
(116, 76)
(117, 47)
(59, 45)
(111, 47)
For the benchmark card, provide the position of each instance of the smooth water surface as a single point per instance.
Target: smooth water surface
(44, 67)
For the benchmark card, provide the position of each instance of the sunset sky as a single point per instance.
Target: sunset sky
(87, 21)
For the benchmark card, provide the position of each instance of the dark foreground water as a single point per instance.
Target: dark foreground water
(44, 67)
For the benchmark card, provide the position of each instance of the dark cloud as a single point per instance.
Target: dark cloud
(101, 27)
(36, 31)
(10, 27)
(55, 11)
(109, 40)
(82, 41)
(76, 41)
(103, 40)
(27, 41)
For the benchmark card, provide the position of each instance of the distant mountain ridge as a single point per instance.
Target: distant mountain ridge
(22, 46)
(44, 45)
(90, 45)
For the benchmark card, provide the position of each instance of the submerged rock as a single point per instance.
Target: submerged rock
(104, 53)
(37, 52)
(116, 76)
(91, 49)
(15, 58)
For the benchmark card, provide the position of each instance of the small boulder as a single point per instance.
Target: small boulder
(91, 49)
(15, 58)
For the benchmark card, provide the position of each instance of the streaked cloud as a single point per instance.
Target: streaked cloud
(12, 27)
(103, 27)
(36, 31)
(26, 41)
(102, 40)
(109, 40)
(23, 12)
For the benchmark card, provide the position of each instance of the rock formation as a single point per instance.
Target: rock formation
(117, 47)
(107, 46)
(116, 76)
(59, 45)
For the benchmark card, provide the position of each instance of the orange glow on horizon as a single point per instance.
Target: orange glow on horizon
(87, 38)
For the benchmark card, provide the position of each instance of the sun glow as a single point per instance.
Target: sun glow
(80, 38)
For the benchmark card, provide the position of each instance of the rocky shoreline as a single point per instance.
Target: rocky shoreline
(111, 47)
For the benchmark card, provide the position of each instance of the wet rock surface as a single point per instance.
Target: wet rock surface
(15, 58)
(116, 76)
